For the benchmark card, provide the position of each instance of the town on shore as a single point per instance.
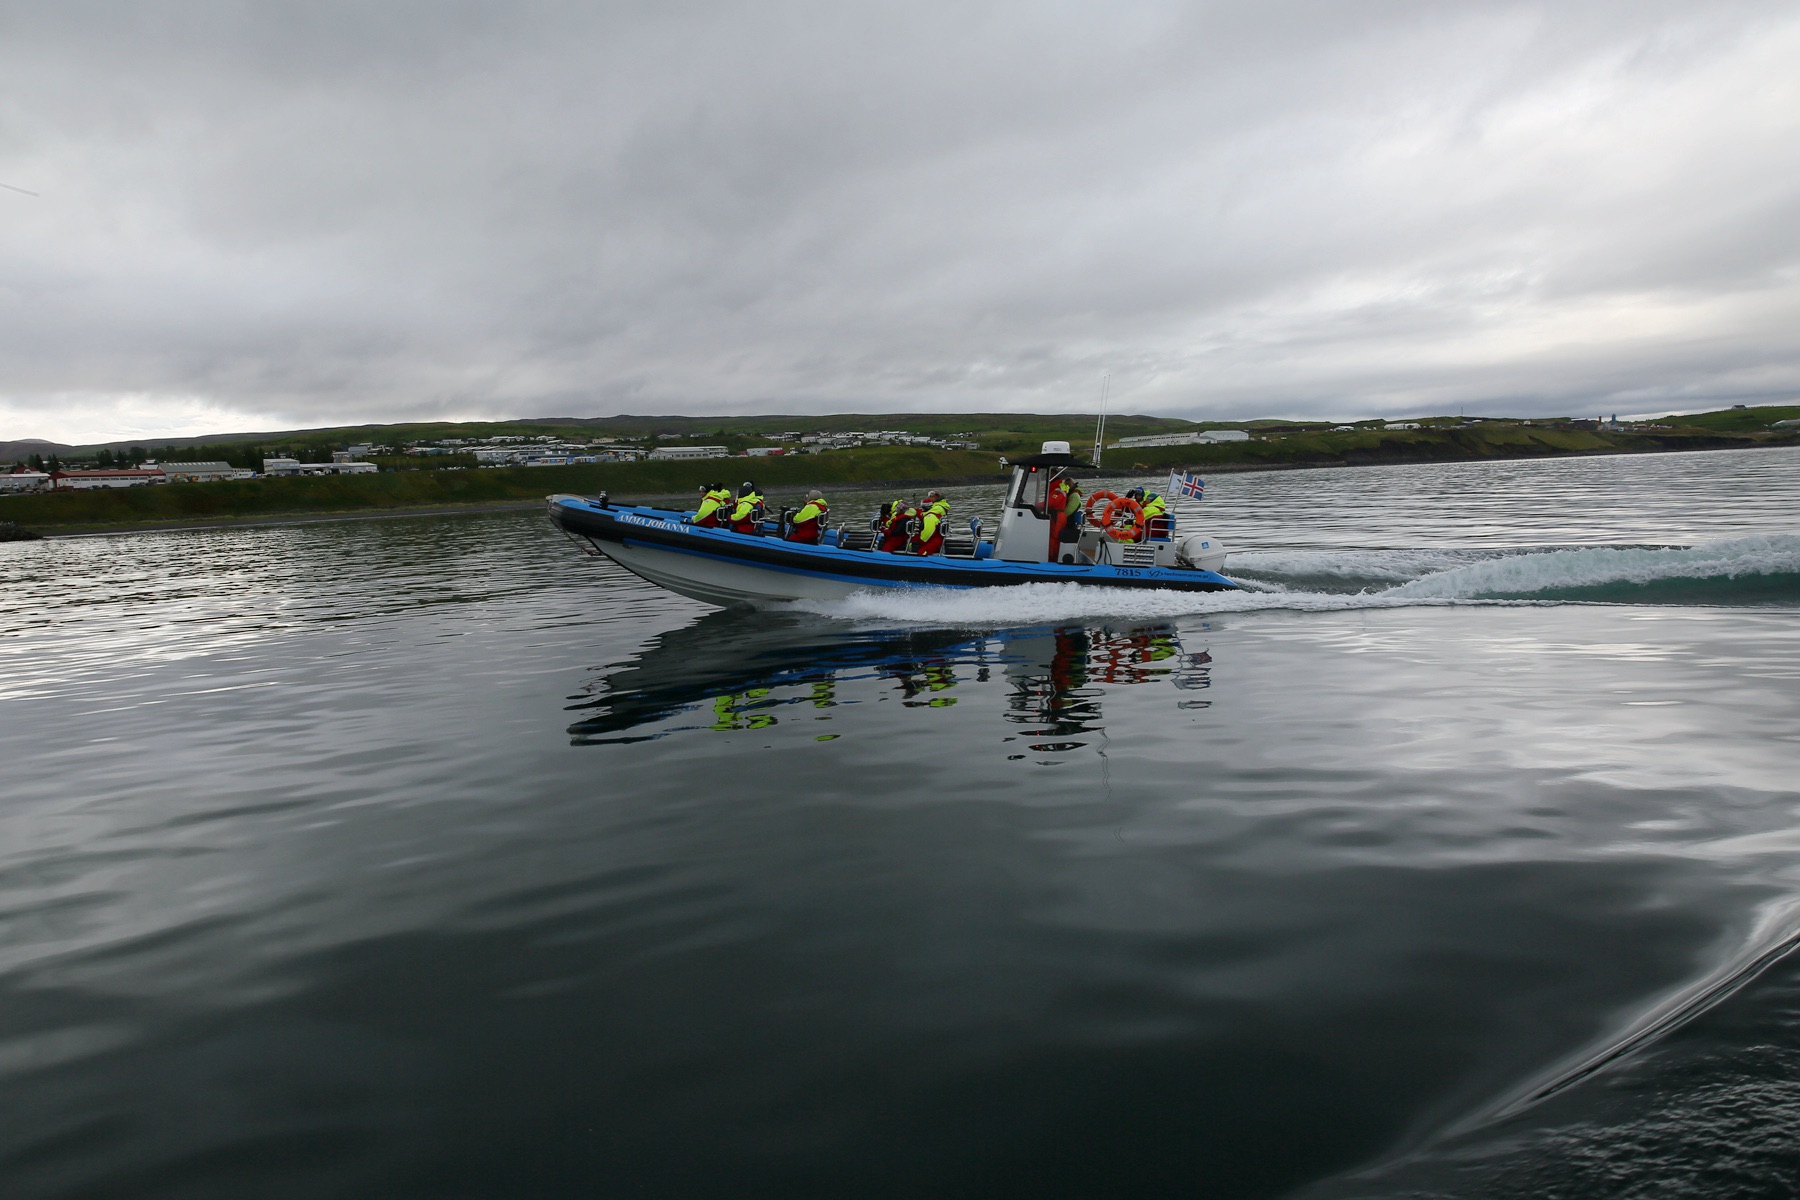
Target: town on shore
(109, 469)
(474, 463)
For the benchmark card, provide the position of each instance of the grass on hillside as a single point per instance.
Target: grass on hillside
(1735, 420)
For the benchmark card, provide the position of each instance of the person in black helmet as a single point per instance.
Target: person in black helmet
(715, 505)
(748, 510)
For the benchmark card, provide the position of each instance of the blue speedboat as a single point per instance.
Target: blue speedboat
(723, 567)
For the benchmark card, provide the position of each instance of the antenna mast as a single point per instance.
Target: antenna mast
(1100, 423)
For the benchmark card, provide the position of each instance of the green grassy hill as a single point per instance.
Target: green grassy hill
(1734, 420)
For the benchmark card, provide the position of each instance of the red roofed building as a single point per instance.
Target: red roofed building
(66, 481)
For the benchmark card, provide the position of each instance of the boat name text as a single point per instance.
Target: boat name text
(651, 522)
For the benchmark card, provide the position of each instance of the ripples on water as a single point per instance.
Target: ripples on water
(424, 857)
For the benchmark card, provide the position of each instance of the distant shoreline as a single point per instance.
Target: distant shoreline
(682, 498)
(179, 525)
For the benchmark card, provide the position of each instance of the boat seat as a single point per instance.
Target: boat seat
(855, 539)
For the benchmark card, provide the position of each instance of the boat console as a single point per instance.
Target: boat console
(1027, 522)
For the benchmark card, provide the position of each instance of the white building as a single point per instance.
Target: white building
(559, 455)
(195, 472)
(290, 466)
(1199, 437)
(691, 452)
(24, 481)
(81, 481)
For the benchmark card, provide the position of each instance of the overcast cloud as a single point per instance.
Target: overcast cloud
(269, 214)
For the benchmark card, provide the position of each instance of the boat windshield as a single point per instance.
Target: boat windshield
(1030, 488)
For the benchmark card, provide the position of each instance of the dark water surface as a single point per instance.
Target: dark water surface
(427, 858)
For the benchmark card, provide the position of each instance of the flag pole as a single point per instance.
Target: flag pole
(1100, 423)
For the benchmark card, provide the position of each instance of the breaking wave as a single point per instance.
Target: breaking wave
(1744, 571)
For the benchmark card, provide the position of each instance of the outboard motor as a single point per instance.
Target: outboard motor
(1201, 552)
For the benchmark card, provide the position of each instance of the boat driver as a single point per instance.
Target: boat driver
(1063, 499)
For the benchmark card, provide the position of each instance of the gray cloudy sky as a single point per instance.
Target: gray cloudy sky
(267, 214)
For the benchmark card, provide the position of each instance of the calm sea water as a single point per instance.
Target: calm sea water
(428, 858)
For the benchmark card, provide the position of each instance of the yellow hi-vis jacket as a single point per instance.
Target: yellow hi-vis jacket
(931, 519)
(710, 503)
(745, 509)
(934, 516)
(806, 526)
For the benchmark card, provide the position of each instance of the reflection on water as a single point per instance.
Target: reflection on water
(1053, 679)
(306, 892)
(731, 672)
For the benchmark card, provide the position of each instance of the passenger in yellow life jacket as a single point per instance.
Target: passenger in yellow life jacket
(809, 522)
(1064, 498)
(893, 533)
(933, 513)
(715, 504)
(1156, 513)
(747, 512)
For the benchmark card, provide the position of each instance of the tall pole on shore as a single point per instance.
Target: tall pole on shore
(1100, 422)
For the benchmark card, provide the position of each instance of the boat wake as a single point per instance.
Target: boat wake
(1744, 571)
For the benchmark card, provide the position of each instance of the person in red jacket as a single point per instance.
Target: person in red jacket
(809, 522)
(1064, 498)
(893, 534)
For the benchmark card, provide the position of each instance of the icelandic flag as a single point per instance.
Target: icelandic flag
(1191, 486)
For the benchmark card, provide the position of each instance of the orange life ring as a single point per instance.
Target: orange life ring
(1131, 533)
(1096, 498)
